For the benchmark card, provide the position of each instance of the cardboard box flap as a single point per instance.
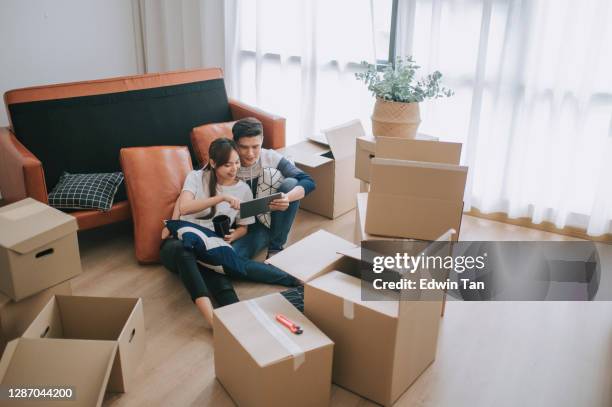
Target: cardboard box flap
(349, 289)
(418, 150)
(342, 138)
(29, 224)
(308, 153)
(81, 364)
(367, 143)
(307, 258)
(417, 178)
(253, 323)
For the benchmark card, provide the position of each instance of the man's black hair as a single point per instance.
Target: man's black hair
(247, 127)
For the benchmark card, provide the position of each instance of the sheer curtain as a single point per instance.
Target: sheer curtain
(298, 58)
(533, 103)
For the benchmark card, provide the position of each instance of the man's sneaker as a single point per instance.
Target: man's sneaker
(272, 252)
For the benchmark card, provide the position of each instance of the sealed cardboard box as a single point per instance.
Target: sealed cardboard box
(381, 347)
(15, 317)
(38, 248)
(368, 147)
(261, 363)
(313, 256)
(414, 199)
(82, 365)
(331, 166)
(97, 318)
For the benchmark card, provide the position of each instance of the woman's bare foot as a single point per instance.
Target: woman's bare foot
(206, 309)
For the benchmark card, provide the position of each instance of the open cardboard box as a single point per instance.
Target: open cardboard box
(38, 248)
(16, 316)
(120, 320)
(261, 363)
(331, 166)
(422, 148)
(83, 365)
(381, 346)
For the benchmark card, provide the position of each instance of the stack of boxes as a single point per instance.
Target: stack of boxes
(87, 344)
(379, 347)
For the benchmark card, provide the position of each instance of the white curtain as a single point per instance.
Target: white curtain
(298, 58)
(181, 34)
(533, 103)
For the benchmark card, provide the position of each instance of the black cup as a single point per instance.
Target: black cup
(222, 225)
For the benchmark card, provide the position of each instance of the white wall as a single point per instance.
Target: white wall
(51, 41)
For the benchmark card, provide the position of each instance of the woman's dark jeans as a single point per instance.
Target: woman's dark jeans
(197, 279)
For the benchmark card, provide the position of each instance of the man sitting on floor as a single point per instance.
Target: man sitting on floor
(267, 171)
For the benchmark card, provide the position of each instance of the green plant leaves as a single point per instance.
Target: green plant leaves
(399, 83)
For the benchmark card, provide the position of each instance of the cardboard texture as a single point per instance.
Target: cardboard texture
(84, 365)
(416, 200)
(120, 320)
(367, 147)
(331, 166)
(312, 256)
(360, 235)
(261, 363)
(38, 248)
(381, 347)
(15, 317)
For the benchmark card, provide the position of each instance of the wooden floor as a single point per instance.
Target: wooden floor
(489, 354)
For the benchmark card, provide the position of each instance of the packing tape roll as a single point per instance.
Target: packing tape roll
(348, 309)
(277, 333)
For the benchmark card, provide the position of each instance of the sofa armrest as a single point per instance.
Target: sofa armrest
(274, 126)
(21, 173)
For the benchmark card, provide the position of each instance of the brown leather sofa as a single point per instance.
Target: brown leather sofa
(101, 127)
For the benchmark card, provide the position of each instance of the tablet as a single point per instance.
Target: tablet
(257, 206)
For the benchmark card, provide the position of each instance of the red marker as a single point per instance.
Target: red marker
(292, 326)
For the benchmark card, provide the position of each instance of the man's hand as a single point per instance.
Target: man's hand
(280, 204)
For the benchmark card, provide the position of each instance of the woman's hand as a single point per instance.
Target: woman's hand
(231, 237)
(165, 233)
(236, 234)
(233, 202)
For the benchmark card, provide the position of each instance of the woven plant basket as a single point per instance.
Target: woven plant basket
(395, 119)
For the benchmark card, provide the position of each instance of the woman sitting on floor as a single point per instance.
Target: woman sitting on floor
(208, 193)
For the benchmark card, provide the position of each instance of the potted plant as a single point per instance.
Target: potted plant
(398, 94)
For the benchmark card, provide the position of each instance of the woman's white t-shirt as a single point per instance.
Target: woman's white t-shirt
(197, 183)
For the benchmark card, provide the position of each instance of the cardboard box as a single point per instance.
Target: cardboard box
(260, 363)
(83, 365)
(38, 248)
(360, 235)
(381, 347)
(331, 166)
(15, 317)
(313, 256)
(120, 320)
(368, 147)
(413, 199)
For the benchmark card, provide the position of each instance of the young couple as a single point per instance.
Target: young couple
(235, 170)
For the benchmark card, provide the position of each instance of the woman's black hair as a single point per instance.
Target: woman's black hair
(220, 152)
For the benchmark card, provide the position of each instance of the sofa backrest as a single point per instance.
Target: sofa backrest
(80, 127)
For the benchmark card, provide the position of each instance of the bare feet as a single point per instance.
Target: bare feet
(206, 309)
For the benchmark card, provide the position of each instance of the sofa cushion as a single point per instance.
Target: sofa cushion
(85, 191)
(154, 178)
(203, 136)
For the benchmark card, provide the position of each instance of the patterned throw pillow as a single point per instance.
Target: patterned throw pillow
(267, 184)
(86, 191)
